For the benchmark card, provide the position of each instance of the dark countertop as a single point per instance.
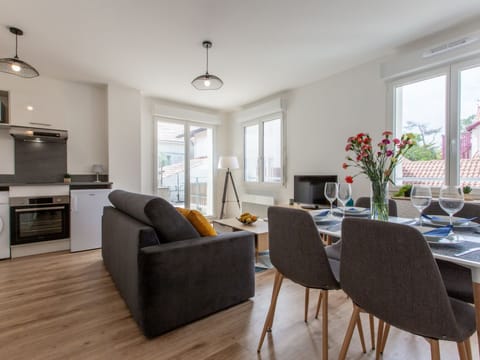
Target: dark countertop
(73, 185)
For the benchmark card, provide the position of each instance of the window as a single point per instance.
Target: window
(442, 109)
(175, 168)
(263, 150)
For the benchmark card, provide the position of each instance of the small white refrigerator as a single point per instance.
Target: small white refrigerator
(86, 210)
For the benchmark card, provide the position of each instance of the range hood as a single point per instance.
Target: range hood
(38, 135)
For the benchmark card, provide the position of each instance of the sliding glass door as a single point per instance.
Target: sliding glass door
(184, 164)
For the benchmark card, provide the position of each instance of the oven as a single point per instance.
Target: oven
(42, 218)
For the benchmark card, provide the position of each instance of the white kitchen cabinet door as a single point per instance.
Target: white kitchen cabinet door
(86, 218)
(37, 108)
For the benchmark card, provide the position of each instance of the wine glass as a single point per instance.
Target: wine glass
(451, 200)
(344, 194)
(421, 197)
(331, 193)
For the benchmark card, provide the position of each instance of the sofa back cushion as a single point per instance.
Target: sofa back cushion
(131, 204)
(169, 224)
(157, 212)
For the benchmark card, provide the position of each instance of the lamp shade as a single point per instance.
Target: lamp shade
(228, 162)
(97, 168)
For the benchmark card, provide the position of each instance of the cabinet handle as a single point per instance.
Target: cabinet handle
(41, 124)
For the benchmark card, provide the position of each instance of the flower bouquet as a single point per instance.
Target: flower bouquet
(377, 164)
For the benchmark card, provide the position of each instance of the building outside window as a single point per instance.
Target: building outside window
(442, 109)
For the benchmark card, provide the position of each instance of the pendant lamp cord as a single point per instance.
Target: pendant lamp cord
(16, 46)
(207, 60)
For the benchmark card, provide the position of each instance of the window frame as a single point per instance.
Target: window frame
(452, 72)
(260, 121)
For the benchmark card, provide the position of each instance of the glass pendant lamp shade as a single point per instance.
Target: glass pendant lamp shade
(207, 81)
(14, 65)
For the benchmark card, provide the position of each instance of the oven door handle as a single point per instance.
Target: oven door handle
(40, 209)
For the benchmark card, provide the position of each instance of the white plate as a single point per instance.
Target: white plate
(324, 221)
(442, 240)
(352, 211)
(457, 221)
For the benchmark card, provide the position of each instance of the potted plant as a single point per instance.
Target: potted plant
(67, 179)
(467, 190)
(404, 191)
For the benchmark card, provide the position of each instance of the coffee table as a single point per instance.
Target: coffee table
(258, 228)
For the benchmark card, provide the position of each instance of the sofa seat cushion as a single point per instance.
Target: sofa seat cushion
(199, 222)
(169, 224)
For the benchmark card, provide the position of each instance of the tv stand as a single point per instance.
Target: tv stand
(309, 207)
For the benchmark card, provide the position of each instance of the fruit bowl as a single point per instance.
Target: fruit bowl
(247, 218)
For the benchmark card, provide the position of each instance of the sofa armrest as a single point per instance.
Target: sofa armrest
(122, 239)
(190, 279)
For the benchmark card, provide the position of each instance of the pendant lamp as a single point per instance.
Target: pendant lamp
(14, 65)
(207, 81)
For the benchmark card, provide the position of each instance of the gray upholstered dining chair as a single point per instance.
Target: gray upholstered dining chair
(297, 253)
(457, 278)
(334, 252)
(404, 289)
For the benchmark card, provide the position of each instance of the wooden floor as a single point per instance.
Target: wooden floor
(65, 306)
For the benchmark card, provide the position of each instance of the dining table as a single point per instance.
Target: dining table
(464, 250)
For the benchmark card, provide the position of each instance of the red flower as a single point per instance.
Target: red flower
(396, 141)
(349, 179)
(348, 147)
(344, 165)
(387, 133)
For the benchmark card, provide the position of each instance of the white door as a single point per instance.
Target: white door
(86, 218)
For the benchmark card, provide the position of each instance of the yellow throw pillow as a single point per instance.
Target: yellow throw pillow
(199, 222)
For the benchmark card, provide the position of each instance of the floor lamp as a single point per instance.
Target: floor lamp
(228, 162)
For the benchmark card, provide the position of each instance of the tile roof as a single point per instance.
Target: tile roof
(432, 172)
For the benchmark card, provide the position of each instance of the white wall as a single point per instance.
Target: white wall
(147, 146)
(87, 142)
(77, 107)
(319, 119)
(124, 138)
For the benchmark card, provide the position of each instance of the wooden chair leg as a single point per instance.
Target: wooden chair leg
(381, 324)
(372, 330)
(468, 348)
(325, 325)
(435, 349)
(319, 304)
(349, 333)
(271, 311)
(462, 353)
(274, 300)
(384, 338)
(307, 295)
(360, 333)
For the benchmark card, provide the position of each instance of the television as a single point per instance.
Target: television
(310, 189)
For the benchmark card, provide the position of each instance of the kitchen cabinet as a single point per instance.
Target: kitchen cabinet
(34, 107)
(4, 226)
(86, 218)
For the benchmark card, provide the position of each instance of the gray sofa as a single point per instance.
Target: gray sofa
(167, 274)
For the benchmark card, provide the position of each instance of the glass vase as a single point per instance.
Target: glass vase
(379, 201)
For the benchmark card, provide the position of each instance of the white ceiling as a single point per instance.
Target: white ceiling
(260, 47)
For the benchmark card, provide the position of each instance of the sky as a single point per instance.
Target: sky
(424, 101)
